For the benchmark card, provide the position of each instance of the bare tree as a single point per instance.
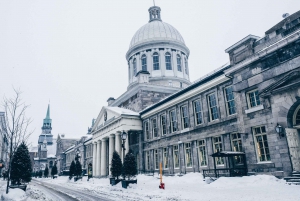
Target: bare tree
(15, 128)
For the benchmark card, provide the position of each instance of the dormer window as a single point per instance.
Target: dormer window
(144, 63)
(168, 61)
(155, 61)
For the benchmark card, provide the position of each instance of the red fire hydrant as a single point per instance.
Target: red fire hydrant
(162, 186)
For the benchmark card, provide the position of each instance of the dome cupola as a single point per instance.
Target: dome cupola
(159, 48)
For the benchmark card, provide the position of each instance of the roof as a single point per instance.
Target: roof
(122, 111)
(71, 147)
(282, 22)
(156, 31)
(241, 42)
(48, 119)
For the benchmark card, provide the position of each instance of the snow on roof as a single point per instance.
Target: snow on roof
(123, 111)
(71, 147)
(51, 156)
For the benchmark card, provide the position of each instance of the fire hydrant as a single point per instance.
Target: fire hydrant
(162, 185)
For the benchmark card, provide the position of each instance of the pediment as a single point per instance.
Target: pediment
(290, 80)
(109, 114)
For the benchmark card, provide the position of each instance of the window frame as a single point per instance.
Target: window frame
(156, 159)
(163, 127)
(257, 149)
(200, 155)
(228, 101)
(173, 123)
(238, 138)
(219, 160)
(148, 160)
(195, 113)
(179, 63)
(144, 59)
(210, 107)
(168, 67)
(154, 130)
(178, 157)
(165, 158)
(256, 98)
(184, 119)
(155, 54)
(186, 150)
(147, 137)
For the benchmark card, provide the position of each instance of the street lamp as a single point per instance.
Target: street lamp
(124, 136)
(279, 130)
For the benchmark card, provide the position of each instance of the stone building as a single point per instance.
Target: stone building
(237, 107)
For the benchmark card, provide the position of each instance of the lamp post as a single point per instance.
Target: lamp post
(124, 136)
(279, 130)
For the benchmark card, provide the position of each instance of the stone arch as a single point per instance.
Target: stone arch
(291, 113)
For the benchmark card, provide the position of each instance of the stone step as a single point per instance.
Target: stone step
(293, 183)
(286, 178)
(294, 174)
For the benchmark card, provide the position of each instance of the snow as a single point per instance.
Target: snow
(123, 111)
(14, 194)
(187, 187)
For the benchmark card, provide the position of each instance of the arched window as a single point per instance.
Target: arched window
(155, 61)
(144, 63)
(168, 61)
(134, 67)
(178, 62)
(186, 66)
(297, 116)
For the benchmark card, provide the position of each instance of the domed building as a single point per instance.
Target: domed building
(157, 64)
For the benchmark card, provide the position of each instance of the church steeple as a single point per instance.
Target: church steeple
(47, 127)
(154, 13)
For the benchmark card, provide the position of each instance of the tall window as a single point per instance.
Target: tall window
(188, 155)
(168, 61)
(148, 160)
(236, 142)
(173, 121)
(202, 153)
(146, 127)
(154, 127)
(163, 125)
(134, 67)
(156, 159)
(178, 62)
(218, 148)
(176, 156)
(253, 98)
(261, 141)
(144, 63)
(155, 61)
(230, 105)
(186, 66)
(296, 118)
(213, 108)
(197, 112)
(184, 117)
(165, 157)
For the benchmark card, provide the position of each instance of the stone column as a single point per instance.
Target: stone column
(103, 157)
(162, 62)
(149, 62)
(98, 159)
(174, 62)
(111, 150)
(127, 143)
(94, 158)
(118, 146)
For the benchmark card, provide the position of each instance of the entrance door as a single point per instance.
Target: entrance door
(294, 147)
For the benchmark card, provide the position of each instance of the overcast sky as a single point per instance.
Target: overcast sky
(73, 52)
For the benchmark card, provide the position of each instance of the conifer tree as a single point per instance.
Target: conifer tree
(54, 170)
(116, 165)
(78, 169)
(21, 165)
(129, 166)
(46, 172)
(72, 170)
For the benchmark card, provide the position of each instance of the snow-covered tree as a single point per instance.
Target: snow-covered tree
(129, 166)
(46, 172)
(116, 165)
(72, 170)
(21, 165)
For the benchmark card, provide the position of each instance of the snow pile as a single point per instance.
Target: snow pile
(189, 187)
(13, 195)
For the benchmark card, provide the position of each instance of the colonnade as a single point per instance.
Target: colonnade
(101, 167)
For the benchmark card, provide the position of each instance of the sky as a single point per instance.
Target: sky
(72, 53)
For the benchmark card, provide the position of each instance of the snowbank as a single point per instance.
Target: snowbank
(13, 195)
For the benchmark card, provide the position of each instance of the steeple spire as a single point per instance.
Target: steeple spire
(154, 13)
(48, 112)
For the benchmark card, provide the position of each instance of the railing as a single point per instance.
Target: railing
(225, 172)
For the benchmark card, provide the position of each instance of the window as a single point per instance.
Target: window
(202, 153)
(156, 159)
(261, 141)
(188, 155)
(186, 66)
(144, 63)
(163, 125)
(184, 117)
(155, 61)
(173, 121)
(176, 156)
(178, 63)
(146, 127)
(230, 105)
(296, 117)
(134, 67)
(253, 98)
(236, 142)
(148, 160)
(213, 109)
(165, 156)
(218, 148)
(197, 112)
(168, 61)
(154, 127)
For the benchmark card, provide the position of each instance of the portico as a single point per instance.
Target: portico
(109, 125)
